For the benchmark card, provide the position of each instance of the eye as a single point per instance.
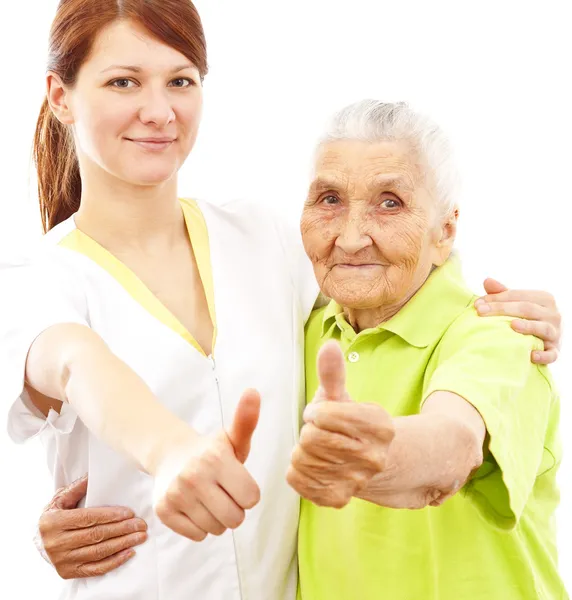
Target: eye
(330, 200)
(182, 82)
(390, 203)
(122, 84)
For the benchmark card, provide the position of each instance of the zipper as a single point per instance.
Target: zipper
(211, 358)
(215, 375)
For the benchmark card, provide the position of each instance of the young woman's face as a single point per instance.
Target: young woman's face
(136, 106)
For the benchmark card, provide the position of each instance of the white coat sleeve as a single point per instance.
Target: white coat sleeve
(35, 294)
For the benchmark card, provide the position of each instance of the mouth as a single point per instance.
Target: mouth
(360, 267)
(153, 144)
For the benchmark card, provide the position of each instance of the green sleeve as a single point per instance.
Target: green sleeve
(488, 364)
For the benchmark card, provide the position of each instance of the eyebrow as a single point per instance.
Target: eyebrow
(327, 183)
(386, 180)
(392, 181)
(137, 69)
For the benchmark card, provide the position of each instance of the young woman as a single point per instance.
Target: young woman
(137, 328)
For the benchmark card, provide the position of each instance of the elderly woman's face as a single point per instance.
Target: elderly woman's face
(370, 224)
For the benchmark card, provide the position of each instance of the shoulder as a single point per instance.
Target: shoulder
(236, 212)
(247, 215)
(487, 331)
(488, 347)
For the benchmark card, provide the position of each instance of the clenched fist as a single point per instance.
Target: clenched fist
(343, 444)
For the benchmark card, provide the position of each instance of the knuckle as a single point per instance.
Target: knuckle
(50, 544)
(291, 476)
(162, 511)
(376, 460)
(175, 496)
(307, 436)
(96, 535)
(524, 308)
(359, 478)
(338, 500)
(82, 571)
(45, 523)
(212, 459)
(554, 333)
(298, 455)
(549, 299)
(198, 535)
(100, 552)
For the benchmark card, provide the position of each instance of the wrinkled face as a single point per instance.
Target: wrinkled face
(370, 224)
(135, 107)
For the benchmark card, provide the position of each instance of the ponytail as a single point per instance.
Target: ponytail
(59, 182)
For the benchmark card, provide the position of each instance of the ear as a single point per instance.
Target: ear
(58, 98)
(446, 234)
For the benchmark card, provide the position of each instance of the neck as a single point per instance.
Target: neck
(119, 215)
(368, 318)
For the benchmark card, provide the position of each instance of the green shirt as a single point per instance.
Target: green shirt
(496, 538)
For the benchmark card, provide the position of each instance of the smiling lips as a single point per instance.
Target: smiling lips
(358, 266)
(155, 144)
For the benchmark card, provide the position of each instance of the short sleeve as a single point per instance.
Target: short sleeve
(301, 270)
(488, 364)
(36, 294)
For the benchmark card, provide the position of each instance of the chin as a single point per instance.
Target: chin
(356, 299)
(151, 177)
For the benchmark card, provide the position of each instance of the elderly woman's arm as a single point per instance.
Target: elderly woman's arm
(352, 449)
(482, 381)
(432, 455)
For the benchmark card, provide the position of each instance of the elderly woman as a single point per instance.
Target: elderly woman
(426, 406)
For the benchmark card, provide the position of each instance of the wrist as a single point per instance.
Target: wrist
(168, 453)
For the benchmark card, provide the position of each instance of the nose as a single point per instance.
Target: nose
(156, 109)
(353, 236)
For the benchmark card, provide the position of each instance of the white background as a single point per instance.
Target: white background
(495, 74)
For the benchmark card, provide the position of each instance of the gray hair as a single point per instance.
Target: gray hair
(375, 121)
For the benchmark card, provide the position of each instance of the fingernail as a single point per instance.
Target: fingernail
(536, 356)
(140, 537)
(128, 553)
(483, 308)
(479, 302)
(127, 513)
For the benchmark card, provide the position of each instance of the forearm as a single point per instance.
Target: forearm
(109, 397)
(431, 456)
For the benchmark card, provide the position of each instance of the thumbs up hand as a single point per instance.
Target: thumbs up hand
(343, 444)
(202, 485)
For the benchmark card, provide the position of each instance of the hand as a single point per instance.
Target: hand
(86, 542)
(343, 444)
(203, 487)
(536, 314)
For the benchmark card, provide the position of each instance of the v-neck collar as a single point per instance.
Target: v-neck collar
(197, 230)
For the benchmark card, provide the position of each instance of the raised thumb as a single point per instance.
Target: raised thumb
(332, 372)
(244, 423)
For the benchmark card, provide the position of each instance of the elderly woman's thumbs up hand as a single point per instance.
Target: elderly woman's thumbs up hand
(343, 444)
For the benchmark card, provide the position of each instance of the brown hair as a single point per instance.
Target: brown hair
(75, 27)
